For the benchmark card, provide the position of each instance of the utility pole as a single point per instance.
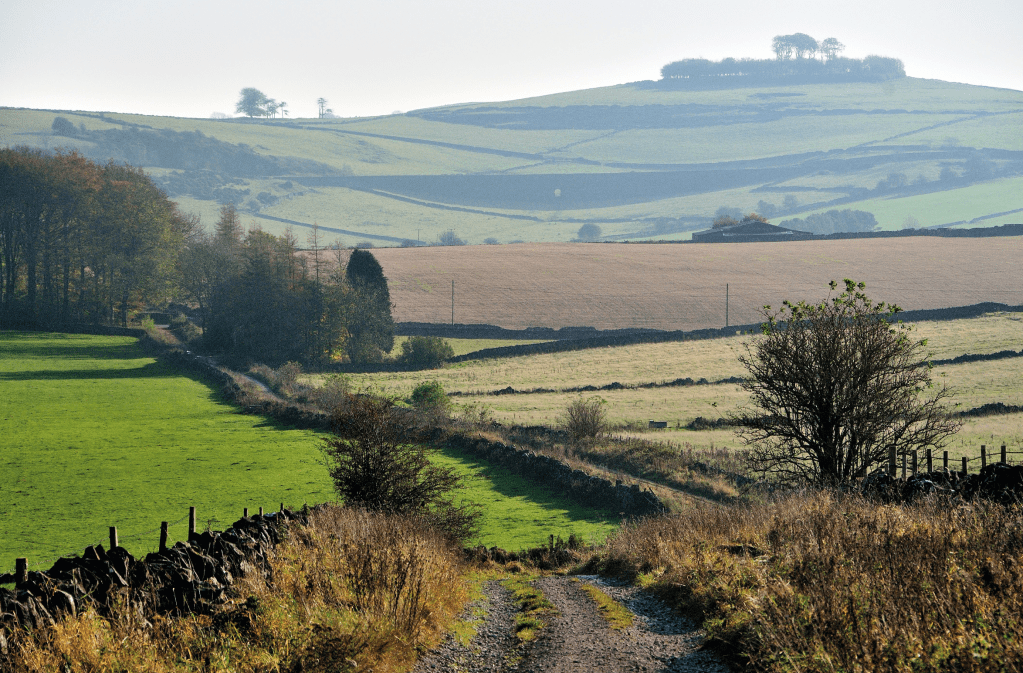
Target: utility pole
(726, 304)
(452, 302)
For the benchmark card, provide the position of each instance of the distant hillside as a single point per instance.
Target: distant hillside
(639, 161)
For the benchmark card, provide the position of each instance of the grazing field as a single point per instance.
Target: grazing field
(630, 409)
(98, 434)
(641, 160)
(683, 286)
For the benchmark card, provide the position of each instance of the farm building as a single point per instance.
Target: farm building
(749, 230)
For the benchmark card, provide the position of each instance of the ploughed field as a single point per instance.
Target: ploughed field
(671, 287)
(97, 434)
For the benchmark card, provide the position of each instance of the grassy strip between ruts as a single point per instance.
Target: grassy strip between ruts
(617, 615)
(533, 606)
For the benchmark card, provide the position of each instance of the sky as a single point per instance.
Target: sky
(191, 58)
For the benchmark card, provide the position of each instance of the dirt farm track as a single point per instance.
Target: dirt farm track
(665, 286)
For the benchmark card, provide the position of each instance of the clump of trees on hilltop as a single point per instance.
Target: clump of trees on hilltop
(799, 58)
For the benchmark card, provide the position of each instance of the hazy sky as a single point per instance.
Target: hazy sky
(191, 58)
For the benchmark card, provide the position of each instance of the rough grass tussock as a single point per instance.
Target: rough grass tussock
(352, 591)
(823, 582)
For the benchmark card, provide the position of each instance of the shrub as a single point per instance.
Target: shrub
(376, 463)
(429, 396)
(332, 394)
(585, 418)
(424, 352)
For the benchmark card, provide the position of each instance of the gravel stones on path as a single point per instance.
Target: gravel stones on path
(493, 645)
(578, 638)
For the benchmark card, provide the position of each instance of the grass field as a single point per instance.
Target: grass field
(611, 130)
(97, 434)
(683, 286)
(975, 383)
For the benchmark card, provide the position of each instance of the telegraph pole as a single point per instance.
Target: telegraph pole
(452, 302)
(726, 304)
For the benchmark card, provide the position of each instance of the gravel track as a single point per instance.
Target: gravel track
(578, 638)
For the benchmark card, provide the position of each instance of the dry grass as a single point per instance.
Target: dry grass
(823, 582)
(683, 286)
(353, 591)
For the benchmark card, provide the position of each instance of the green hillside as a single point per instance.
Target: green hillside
(641, 160)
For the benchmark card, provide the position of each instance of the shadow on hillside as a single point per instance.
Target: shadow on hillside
(511, 485)
(68, 347)
(150, 370)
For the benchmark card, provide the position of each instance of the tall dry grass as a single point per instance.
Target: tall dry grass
(352, 591)
(825, 582)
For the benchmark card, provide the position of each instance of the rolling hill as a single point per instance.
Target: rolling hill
(646, 160)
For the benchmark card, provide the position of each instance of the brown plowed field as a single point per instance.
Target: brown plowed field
(683, 286)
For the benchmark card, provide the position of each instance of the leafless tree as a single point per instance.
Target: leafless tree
(834, 387)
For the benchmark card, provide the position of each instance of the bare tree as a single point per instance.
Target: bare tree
(834, 387)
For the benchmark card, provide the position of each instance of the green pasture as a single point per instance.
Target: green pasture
(98, 434)
(466, 346)
(965, 203)
(518, 513)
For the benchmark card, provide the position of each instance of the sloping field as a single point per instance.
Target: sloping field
(640, 160)
(683, 286)
(95, 433)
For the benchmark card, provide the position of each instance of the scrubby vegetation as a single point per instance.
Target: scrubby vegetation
(822, 581)
(352, 591)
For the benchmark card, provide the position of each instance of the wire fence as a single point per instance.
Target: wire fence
(915, 462)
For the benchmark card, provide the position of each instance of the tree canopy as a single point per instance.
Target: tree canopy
(793, 62)
(835, 386)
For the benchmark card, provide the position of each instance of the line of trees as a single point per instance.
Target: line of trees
(255, 103)
(260, 298)
(793, 61)
(82, 242)
(88, 243)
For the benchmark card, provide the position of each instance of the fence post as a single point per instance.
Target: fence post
(915, 461)
(191, 522)
(944, 459)
(891, 462)
(20, 571)
(282, 506)
(930, 466)
(983, 456)
(245, 513)
(1004, 456)
(964, 464)
(163, 536)
(113, 537)
(904, 459)
(261, 511)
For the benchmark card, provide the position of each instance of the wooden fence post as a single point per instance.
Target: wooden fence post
(904, 459)
(930, 466)
(113, 537)
(261, 511)
(245, 513)
(964, 464)
(915, 460)
(1004, 456)
(282, 506)
(191, 521)
(891, 462)
(983, 456)
(944, 459)
(20, 571)
(163, 536)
